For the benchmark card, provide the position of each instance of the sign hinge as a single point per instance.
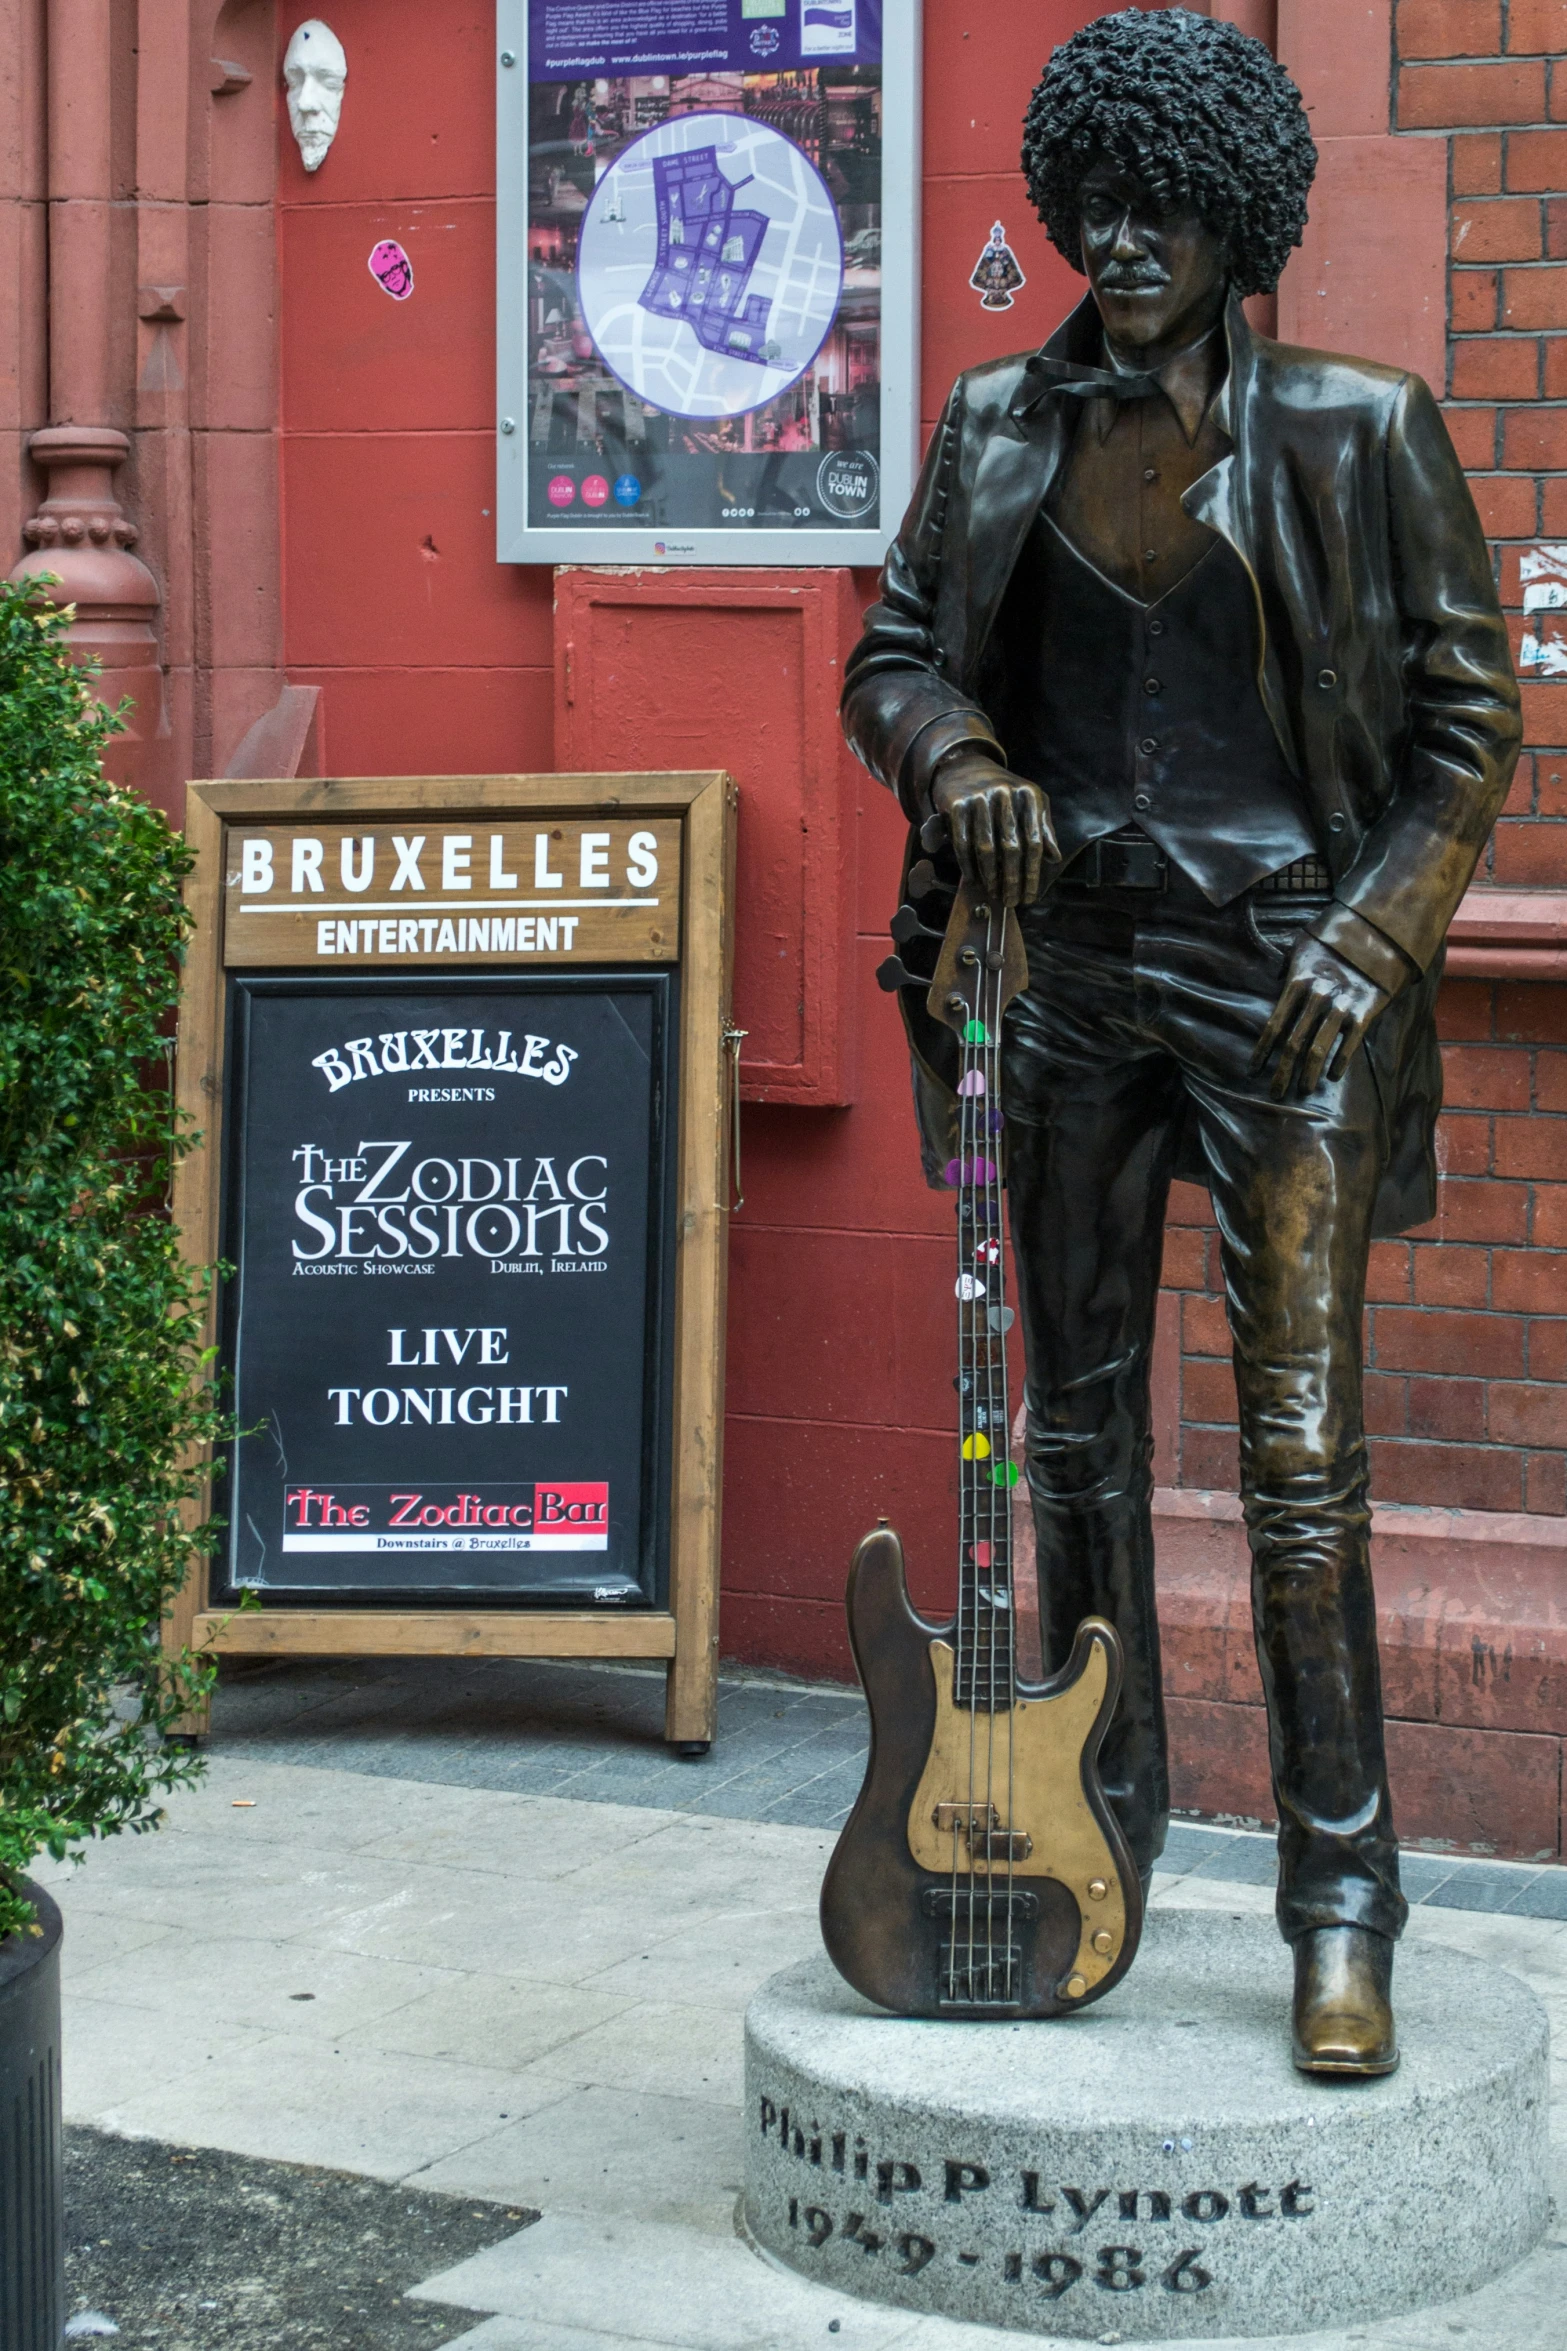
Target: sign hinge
(733, 1040)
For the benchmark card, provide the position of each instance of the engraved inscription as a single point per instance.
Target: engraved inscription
(1077, 2215)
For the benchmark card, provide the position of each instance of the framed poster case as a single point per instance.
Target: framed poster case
(707, 279)
(459, 1052)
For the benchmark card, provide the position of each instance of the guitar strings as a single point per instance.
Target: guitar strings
(970, 1126)
(999, 1408)
(997, 1492)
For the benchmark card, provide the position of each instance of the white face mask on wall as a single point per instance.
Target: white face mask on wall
(315, 69)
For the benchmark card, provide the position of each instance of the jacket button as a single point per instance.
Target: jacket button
(1327, 677)
(1142, 801)
(1335, 822)
(1148, 746)
(1156, 628)
(1150, 686)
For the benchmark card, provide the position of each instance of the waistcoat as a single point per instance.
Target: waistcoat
(1147, 715)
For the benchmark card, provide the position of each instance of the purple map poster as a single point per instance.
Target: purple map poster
(707, 249)
(704, 336)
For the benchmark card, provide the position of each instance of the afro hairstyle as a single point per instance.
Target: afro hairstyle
(1198, 111)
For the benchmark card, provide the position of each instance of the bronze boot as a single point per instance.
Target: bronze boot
(1343, 2020)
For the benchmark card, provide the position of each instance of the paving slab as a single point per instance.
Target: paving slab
(509, 2023)
(607, 2154)
(294, 2099)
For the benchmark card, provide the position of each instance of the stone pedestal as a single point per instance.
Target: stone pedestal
(1155, 2167)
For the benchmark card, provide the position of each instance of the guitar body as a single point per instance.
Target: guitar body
(1036, 1909)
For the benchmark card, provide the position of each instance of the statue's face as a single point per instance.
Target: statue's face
(315, 70)
(1157, 277)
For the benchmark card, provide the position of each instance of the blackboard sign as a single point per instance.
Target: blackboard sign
(459, 1054)
(447, 1213)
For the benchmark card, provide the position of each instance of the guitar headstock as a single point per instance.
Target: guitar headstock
(981, 967)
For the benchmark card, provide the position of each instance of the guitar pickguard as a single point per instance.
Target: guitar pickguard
(1002, 1796)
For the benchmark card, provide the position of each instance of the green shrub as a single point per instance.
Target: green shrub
(105, 1398)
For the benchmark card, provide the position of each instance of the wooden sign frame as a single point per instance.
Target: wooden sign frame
(684, 1635)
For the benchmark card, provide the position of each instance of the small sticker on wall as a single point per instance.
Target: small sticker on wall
(996, 276)
(1543, 653)
(1543, 572)
(391, 269)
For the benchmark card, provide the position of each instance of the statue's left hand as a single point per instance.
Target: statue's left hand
(1320, 1020)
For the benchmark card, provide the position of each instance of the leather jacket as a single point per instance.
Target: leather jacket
(1384, 663)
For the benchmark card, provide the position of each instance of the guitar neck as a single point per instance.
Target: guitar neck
(985, 1666)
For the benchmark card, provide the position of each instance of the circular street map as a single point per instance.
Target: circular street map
(709, 265)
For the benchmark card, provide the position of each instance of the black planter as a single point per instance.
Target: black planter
(32, 2245)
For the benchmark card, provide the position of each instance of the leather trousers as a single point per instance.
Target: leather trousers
(1142, 1010)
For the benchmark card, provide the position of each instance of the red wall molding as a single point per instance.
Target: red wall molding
(1509, 935)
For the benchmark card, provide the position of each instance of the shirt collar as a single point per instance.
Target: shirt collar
(1189, 382)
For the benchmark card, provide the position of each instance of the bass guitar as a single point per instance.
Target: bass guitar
(981, 1872)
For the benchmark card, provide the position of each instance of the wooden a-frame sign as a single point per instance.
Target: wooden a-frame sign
(457, 1051)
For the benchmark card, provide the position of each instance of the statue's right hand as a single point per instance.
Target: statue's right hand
(999, 826)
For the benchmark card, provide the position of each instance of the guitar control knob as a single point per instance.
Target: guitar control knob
(1104, 1942)
(1097, 1889)
(1076, 1986)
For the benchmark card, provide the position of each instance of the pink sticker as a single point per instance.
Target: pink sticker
(595, 490)
(562, 489)
(391, 269)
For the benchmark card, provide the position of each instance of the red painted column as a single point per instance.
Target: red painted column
(80, 534)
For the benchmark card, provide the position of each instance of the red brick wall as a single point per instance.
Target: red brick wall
(1466, 1325)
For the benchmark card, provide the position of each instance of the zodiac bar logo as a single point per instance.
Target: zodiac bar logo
(552, 1516)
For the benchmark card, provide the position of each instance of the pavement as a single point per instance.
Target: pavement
(465, 1929)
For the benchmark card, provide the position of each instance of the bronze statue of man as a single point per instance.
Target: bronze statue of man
(1193, 641)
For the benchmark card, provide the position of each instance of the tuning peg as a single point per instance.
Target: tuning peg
(895, 973)
(923, 880)
(906, 925)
